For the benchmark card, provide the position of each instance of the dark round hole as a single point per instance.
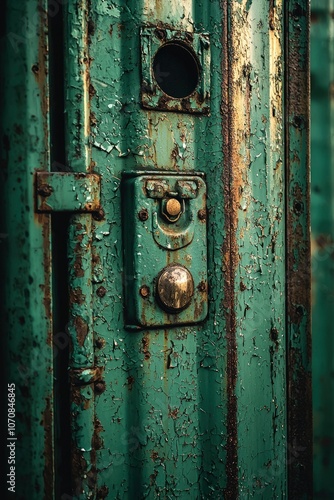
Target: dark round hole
(176, 70)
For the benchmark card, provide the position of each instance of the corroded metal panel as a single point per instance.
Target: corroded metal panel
(199, 410)
(26, 330)
(322, 210)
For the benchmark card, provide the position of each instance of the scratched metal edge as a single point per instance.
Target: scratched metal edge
(26, 255)
(298, 296)
(80, 328)
(230, 252)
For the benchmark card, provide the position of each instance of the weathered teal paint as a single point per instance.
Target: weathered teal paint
(322, 77)
(176, 405)
(257, 247)
(26, 329)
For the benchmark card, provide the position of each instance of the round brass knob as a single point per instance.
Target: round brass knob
(173, 207)
(175, 288)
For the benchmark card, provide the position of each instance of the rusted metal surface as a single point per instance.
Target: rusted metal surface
(26, 323)
(299, 450)
(229, 256)
(199, 410)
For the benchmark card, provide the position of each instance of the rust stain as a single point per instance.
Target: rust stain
(102, 492)
(173, 413)
(97, 441)
(79, 469)
(81, 329)
(146, 346)
(274, 337)
(100, 343)
(154, 455)
(130, 382)
(76, 296)
(271, 15)
(234, 99)
(153, 477)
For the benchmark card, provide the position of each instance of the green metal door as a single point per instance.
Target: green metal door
(185, 182)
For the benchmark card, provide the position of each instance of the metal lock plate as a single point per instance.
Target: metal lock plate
(165, 249)
(175, 70)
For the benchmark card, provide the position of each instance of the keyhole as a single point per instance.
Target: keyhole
(176, 70)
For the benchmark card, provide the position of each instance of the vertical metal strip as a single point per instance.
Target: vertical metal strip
(254, 250)
(298, 250)
(26, 306)
(322, 216)
(229, 252)
(79, 251)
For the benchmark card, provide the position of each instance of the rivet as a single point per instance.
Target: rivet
(202, 214)
(101, 291)
(99, 387)
(144, 291)
(173, 207)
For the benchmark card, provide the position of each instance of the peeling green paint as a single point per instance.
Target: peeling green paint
(199, 410)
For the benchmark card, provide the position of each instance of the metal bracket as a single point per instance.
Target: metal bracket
(67, 192)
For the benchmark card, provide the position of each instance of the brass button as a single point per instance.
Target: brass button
(175, 288)
(173, 207)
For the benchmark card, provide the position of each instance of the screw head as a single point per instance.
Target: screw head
(45, 190)
(143, 214)
(202, 286)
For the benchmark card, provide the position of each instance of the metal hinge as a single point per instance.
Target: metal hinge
(67, 192)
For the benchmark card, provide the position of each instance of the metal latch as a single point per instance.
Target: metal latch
(67, 191)
(165, 249)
